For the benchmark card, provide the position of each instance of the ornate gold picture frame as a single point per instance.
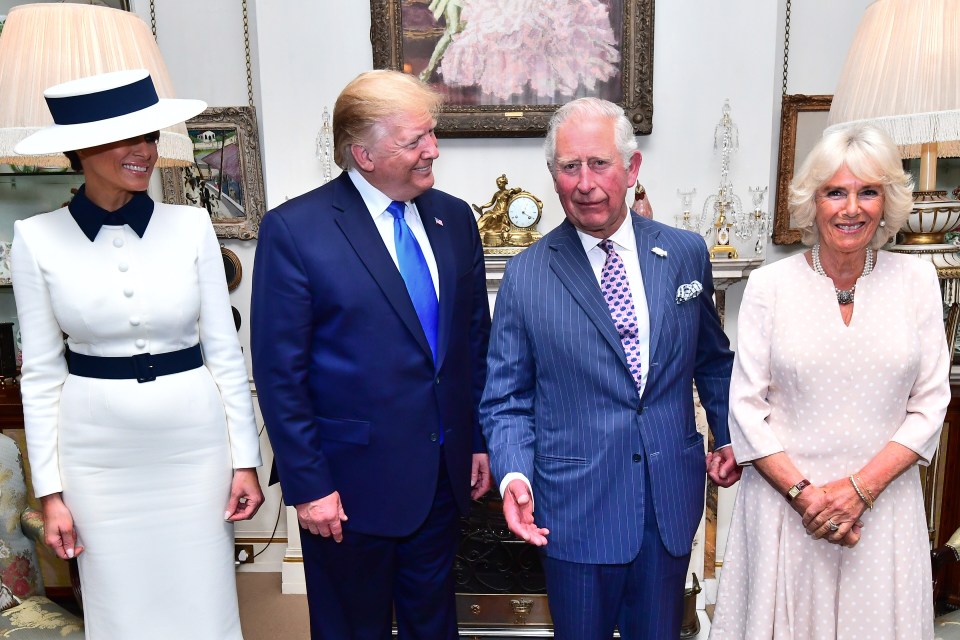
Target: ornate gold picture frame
(226, 177)
(407, 34)
(802, 121)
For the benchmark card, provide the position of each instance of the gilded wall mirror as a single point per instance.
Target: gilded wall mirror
(802, 121)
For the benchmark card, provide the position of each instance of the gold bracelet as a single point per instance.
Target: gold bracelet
(860, 493)
(863, 485)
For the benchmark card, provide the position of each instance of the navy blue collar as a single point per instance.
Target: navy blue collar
(90, 217)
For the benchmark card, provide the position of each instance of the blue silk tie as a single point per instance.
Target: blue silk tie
(416, 275)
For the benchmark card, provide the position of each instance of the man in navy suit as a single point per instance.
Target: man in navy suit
(369, 331)
(599, 332)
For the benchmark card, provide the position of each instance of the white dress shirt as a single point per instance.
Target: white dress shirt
(377, 203)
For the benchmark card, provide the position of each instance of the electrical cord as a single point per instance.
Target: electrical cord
(276, 523)
(274, 532)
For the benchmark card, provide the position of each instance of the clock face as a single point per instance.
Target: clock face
(523, 212)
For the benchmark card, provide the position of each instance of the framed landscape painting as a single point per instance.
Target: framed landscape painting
(225, 178)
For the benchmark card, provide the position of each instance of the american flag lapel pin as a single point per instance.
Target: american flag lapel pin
(438, 221)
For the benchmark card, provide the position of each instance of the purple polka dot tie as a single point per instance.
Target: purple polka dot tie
(616, 291)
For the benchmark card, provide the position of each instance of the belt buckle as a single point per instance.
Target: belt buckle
(143, 366)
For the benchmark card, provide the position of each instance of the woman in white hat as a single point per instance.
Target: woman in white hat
(140, 427)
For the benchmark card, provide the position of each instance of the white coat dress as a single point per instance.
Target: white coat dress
(144, 468)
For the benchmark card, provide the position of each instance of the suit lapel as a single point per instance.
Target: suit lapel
(570, 264)
(357, 225)
(654, 270)
(432, 218)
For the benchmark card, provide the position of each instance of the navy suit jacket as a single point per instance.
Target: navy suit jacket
(350, 395)
(562, 408)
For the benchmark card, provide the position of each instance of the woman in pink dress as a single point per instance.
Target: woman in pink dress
(839, 390)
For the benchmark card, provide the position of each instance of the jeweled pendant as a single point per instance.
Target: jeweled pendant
(845, 297)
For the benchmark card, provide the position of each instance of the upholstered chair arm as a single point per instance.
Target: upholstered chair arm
(31, 522)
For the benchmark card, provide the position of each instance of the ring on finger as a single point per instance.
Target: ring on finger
(833, 526)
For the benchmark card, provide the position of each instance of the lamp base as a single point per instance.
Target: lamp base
(932, 216)
(943, 256)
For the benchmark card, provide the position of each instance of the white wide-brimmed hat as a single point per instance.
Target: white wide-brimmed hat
(105, 108)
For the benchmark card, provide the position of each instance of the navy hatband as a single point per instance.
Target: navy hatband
(109, 103)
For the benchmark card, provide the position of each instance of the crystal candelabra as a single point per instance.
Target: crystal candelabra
(723, 204)
(724, 207)
(761, 222)
(686, 220)
(325, 147)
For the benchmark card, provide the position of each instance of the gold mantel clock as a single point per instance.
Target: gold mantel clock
(508, 223)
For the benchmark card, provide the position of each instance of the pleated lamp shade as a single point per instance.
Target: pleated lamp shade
(902, 74)
(46, 44)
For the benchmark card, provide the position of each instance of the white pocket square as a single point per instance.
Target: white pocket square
(689, 291)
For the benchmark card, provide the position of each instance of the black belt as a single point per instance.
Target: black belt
(143, 367)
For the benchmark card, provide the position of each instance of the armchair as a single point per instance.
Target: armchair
(24, 611)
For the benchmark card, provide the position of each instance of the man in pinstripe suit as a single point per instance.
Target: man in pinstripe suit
(600, 330)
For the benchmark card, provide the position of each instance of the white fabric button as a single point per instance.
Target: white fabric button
(141, 343)
(128, 292)
(135, 320)
(123, 266)
(118, 242)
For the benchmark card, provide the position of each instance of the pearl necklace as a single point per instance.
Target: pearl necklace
(844, 296)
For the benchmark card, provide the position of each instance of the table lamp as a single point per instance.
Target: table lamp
(42, 45)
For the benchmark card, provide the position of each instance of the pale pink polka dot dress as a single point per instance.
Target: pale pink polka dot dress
(832, 396)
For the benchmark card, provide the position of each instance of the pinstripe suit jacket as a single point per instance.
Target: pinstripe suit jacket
(561, 407)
